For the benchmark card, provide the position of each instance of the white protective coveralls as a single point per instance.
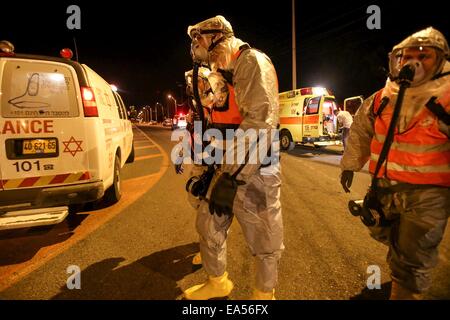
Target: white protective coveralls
(257, 204)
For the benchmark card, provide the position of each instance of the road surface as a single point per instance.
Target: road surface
(142, 247)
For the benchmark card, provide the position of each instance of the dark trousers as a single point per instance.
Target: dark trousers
(345, 134)
(419, 218)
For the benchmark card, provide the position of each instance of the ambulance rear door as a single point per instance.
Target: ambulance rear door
(41, 125)
(311, 118)
(352, 104)
(329, 120)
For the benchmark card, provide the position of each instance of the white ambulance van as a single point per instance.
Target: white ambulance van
(64, 137)
(306, 117)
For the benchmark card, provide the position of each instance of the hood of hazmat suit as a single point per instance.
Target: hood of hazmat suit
(256, 91)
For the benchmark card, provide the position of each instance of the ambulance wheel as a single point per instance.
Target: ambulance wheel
(114, 193)
(131, 156)
(286, 142)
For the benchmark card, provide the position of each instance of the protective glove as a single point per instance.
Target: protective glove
(222, 194)
(346, 180)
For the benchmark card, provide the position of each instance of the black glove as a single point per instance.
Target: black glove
(222, 195)
(346, 180)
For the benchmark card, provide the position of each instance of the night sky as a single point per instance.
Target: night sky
(143, 48)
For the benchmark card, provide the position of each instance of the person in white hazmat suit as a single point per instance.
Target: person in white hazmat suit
(414, 182)
(250, 189)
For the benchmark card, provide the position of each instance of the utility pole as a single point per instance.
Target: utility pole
(294, 50)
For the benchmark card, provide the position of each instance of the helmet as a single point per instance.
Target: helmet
(217, 24)
(206, 35)
(425, 41)
(428, 37)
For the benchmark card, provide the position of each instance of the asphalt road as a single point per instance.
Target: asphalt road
(142, 248)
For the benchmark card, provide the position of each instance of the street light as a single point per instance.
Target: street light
(175, 100)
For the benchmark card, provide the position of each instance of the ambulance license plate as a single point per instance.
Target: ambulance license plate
(39, 146)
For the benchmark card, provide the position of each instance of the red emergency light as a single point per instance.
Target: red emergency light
(66, 53)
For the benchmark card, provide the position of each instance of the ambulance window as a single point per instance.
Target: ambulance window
(119, 109)
(119, 103)
(313, 105)
(122, 105)
(124, 110)
(38, 90)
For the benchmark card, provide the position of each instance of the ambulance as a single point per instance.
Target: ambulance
(64, 138)
(306, 117)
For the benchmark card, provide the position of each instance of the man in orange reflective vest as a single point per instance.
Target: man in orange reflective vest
(245, 87)
(415, 179)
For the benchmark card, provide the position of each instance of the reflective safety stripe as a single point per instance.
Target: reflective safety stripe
(411, 147)
(413, 158)
(45, 180)
(436, 178)
(298, 120)
(401, 167)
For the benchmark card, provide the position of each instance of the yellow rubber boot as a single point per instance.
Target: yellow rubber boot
(260, 295)
(214, 287)
(197, 260)
(401, 293)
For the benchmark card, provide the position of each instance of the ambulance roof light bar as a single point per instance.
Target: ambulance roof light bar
(319, 91)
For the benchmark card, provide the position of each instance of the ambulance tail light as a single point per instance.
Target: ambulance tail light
(89, 103)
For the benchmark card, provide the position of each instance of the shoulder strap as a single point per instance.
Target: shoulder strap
(379, 105)
(438, 110)
(384, 102)
(440, 75)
